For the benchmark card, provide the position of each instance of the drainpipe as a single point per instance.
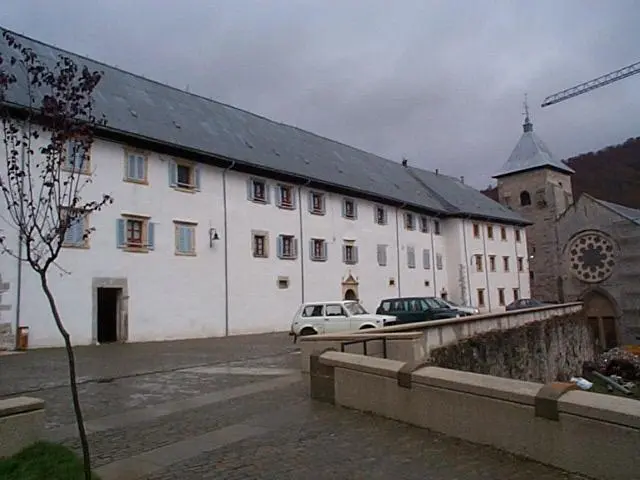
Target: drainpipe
(226, 248)
(398, 246)
(19, 287)
(466, 261)
(434, 266)
(486, 266)
(301, 239)
(515, 248)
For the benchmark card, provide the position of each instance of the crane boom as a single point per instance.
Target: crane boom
(592, 84)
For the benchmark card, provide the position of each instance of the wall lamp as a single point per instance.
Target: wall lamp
(213, 235)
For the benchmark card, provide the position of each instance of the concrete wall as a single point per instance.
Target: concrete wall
(168, 296)
(433, 334)
(543, 351)
(587, 433)
(21, 424)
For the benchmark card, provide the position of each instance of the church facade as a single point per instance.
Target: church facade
(585, 249)
(224, 222)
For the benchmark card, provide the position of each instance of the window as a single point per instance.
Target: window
(424, 224)
(287, 247)
(380, 215)
(531, 275)
(313, 311)
(257, 191)
(283, 282)
(480, 297)
(286, 197)
(260, 244)
(185, 238)
(525, 198)
(505, 261)
(520, 264)
(426, 259)
(76, 158)
(381, 251)
(318, 250)
(516, 294)
(411, 257)
(135, 167)
(478, 260)
(501, 297)
(439, 264)
(517, 235)
(349, 209)
(316, 203)
(349, 254)
(490, 232)
(436, 227)
(334, 310)
(135, 233)
(492, 263)
(503, 234)
(476, 230)
(76, 229)
(409, 222)
(184, 175)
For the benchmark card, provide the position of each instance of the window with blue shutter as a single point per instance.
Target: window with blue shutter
(287, 247)
(285, 196)
(258, 190)
(135, 233)
(318, 249)
(173, 173)
(120, 233)
(411, 257)
(349, 208)
(316, 203)
(426, 259)
(75, 157)
(136, 170)
(185, 238)
(74, 234)
(382, 255)
(197, 174)
(151, 238)
(439, 265)
(349, 254)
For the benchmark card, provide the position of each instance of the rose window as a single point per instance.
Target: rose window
(591, 257)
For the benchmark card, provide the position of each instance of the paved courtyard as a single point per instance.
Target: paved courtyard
(233, 408)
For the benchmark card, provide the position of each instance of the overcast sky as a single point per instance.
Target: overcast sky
(439, 82)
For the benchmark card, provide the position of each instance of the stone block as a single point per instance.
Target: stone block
(21, 424)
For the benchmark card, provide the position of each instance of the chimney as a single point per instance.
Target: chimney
(437, 173)
(404, 162)
(461, 178)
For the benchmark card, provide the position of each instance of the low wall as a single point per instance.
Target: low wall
(433, 334)
(7, 339)
(21, 424)
(587, 433)
(544, 351)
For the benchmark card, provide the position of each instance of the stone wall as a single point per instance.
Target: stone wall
(544, 351)
(6, 337)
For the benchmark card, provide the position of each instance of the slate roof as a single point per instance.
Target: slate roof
(629, 213)
(141, 108)
(531, 153)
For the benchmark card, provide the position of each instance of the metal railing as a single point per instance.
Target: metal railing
(364, 342)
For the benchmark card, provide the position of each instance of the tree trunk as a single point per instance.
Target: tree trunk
(72, 376)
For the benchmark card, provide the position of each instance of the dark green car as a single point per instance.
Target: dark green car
(416, 309)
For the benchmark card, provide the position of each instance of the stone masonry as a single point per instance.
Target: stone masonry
(6, 335)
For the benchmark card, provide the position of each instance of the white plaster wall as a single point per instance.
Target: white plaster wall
(173, 297)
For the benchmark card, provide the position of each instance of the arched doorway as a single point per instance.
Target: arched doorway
(350, 295)
(602, 313)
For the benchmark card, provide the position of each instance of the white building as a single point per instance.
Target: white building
(224, 222)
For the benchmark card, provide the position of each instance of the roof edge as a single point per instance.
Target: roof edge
(568, 170)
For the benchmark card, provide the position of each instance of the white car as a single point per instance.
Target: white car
(337, 316)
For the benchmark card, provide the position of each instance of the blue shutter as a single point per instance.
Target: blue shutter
(249, 189)
(295, 248)
(344, 207)
(325, 250)
(311, 250)
(132, 166)
(385, 215)
(355, 254)
(267, 192)
(344, 254)
(294, 197)
(173, 173)
(196, 174)
(139, 161)
(70, 157)
(151, 235)
(426, 259)
(310, 200)
(355, 210)
(278, 195)
(120, 238)
(279, 246)
(78, 230)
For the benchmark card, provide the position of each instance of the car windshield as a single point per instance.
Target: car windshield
(355, 308)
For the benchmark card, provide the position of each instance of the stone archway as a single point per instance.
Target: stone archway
(350, 294)
(602, 311)
(350, 288)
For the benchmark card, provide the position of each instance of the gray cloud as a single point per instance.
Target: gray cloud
(440, 82)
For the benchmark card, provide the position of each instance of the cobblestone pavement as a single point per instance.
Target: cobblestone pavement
(294, 437)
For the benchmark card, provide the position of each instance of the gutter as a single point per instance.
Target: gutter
(19, 288)
(398, 246)
(226, 248)
(301, 239)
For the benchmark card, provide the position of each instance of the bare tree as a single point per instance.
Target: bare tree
(47, 135)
